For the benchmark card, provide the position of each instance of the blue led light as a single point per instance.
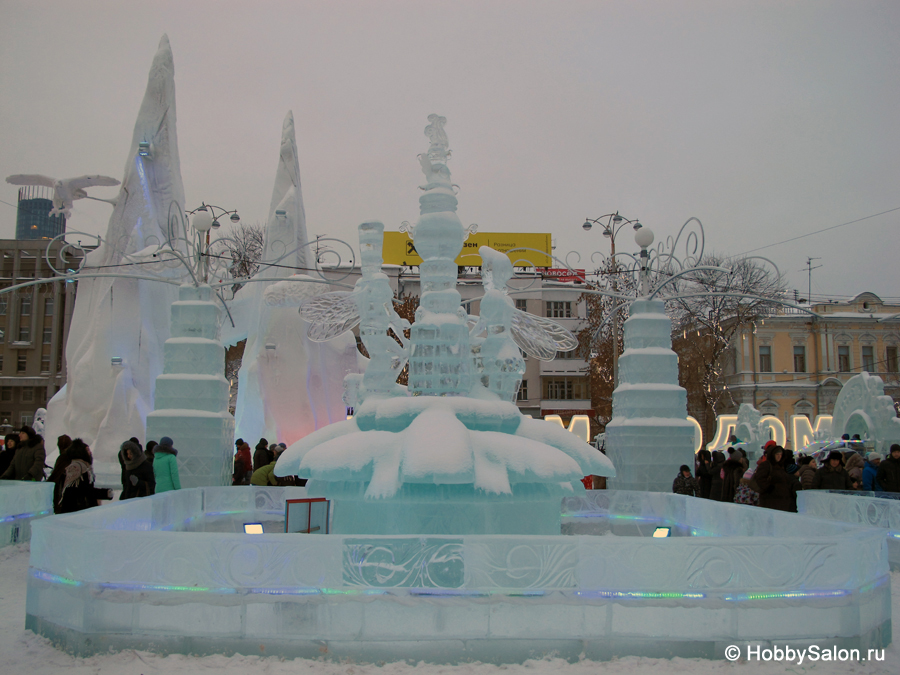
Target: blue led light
(23, 516)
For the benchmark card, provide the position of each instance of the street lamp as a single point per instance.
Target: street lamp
(204, 219)
(611, 224)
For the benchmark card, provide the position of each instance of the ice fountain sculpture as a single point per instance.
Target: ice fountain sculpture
(452, 456)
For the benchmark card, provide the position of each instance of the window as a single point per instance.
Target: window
(26, 419)
(22, 362)
(3, 300)
(25, 306)
(5, 393)
(45, 363)
(799, 359)
(868, 358)
(48, 307)
(522, 304)
(891, 359)
(27, 395)
(765, 359)
(523, 391)
(48, 336)
(24, 332)
(1, 363)
(5, 416)
(559, 310)
(567, 389)
(843, 358)
(574, 354)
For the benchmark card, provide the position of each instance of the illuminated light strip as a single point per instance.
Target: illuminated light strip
(55, 578)
(875, 584)
(452, 592)
(22, 516)
(645, 519)
(896, 535)
(285, 591)
(164, 588)
(642, 595)
(786, 595)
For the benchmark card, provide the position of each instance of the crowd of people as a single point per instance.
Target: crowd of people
(260, 470)
(775, 479)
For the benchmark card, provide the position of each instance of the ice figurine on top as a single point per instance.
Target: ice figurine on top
(454, 456)
(370, 305)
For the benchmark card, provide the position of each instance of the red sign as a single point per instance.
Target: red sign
(563, 274)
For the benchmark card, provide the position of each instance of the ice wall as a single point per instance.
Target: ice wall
(104, 403)
(288, 386)
(649, 436)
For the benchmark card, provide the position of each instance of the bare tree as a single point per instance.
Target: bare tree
(245, 248)
(713, 306)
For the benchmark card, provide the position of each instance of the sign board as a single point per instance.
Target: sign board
(564, 274)
(399, 248)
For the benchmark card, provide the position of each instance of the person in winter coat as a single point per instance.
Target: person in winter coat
(776, 487)
(806, 472)
(873, 460)
(685, 483)
(28, 463)
(139, 480)
(165, 466)
(888, 476)
(243, 465)
(853, 464)
(150, 451)
(263, 455)
(74, 483)
(715, 489)
(832, 475)
(265, 475)
(732, 472)
(704, 472)
(10, 445)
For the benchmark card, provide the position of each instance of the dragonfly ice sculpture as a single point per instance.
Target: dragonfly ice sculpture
(65, 191)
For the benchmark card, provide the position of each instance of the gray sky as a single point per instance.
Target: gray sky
(765, 119)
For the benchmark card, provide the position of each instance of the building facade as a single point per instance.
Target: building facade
(33, 219)
(793, 363)
(34, 326)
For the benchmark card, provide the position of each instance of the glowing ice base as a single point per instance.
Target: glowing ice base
(139, 574)
(869, 509)
(21, 503)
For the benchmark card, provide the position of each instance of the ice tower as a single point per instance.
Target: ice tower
(649, 436)
(439, 356)
(191, 402)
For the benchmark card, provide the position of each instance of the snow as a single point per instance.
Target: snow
(24, 652)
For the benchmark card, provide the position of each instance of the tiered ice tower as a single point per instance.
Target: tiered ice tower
(439, 358)
(649, 436)
(191, 401)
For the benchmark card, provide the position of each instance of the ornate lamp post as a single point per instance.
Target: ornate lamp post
(203, 220)
(613, 223)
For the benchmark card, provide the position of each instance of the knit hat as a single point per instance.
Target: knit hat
(165, 440)
(733, 454)
(684, 467)
(769, 444)
(872, 456)
(835, 454)
(895, 447)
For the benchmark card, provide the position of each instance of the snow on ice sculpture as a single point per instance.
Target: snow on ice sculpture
(445, 460)
(115, 346)
(65, 191)
(288, 385)
(863, 408)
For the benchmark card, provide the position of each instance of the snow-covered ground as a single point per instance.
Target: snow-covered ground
(24, 653)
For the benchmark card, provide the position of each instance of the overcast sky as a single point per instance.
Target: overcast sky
(766, 120)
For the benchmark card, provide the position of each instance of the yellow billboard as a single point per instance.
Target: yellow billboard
(400, 250)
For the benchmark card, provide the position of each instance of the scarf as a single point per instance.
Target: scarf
(76, 469)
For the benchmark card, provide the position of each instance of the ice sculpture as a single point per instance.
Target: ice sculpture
(288, 385)
(497, 359)
(115, 346)
(863, 408)
(649, 436)
(370, 305)
(452, 458)
(191, 402)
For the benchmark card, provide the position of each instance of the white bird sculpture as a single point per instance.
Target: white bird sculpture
(64, 191)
